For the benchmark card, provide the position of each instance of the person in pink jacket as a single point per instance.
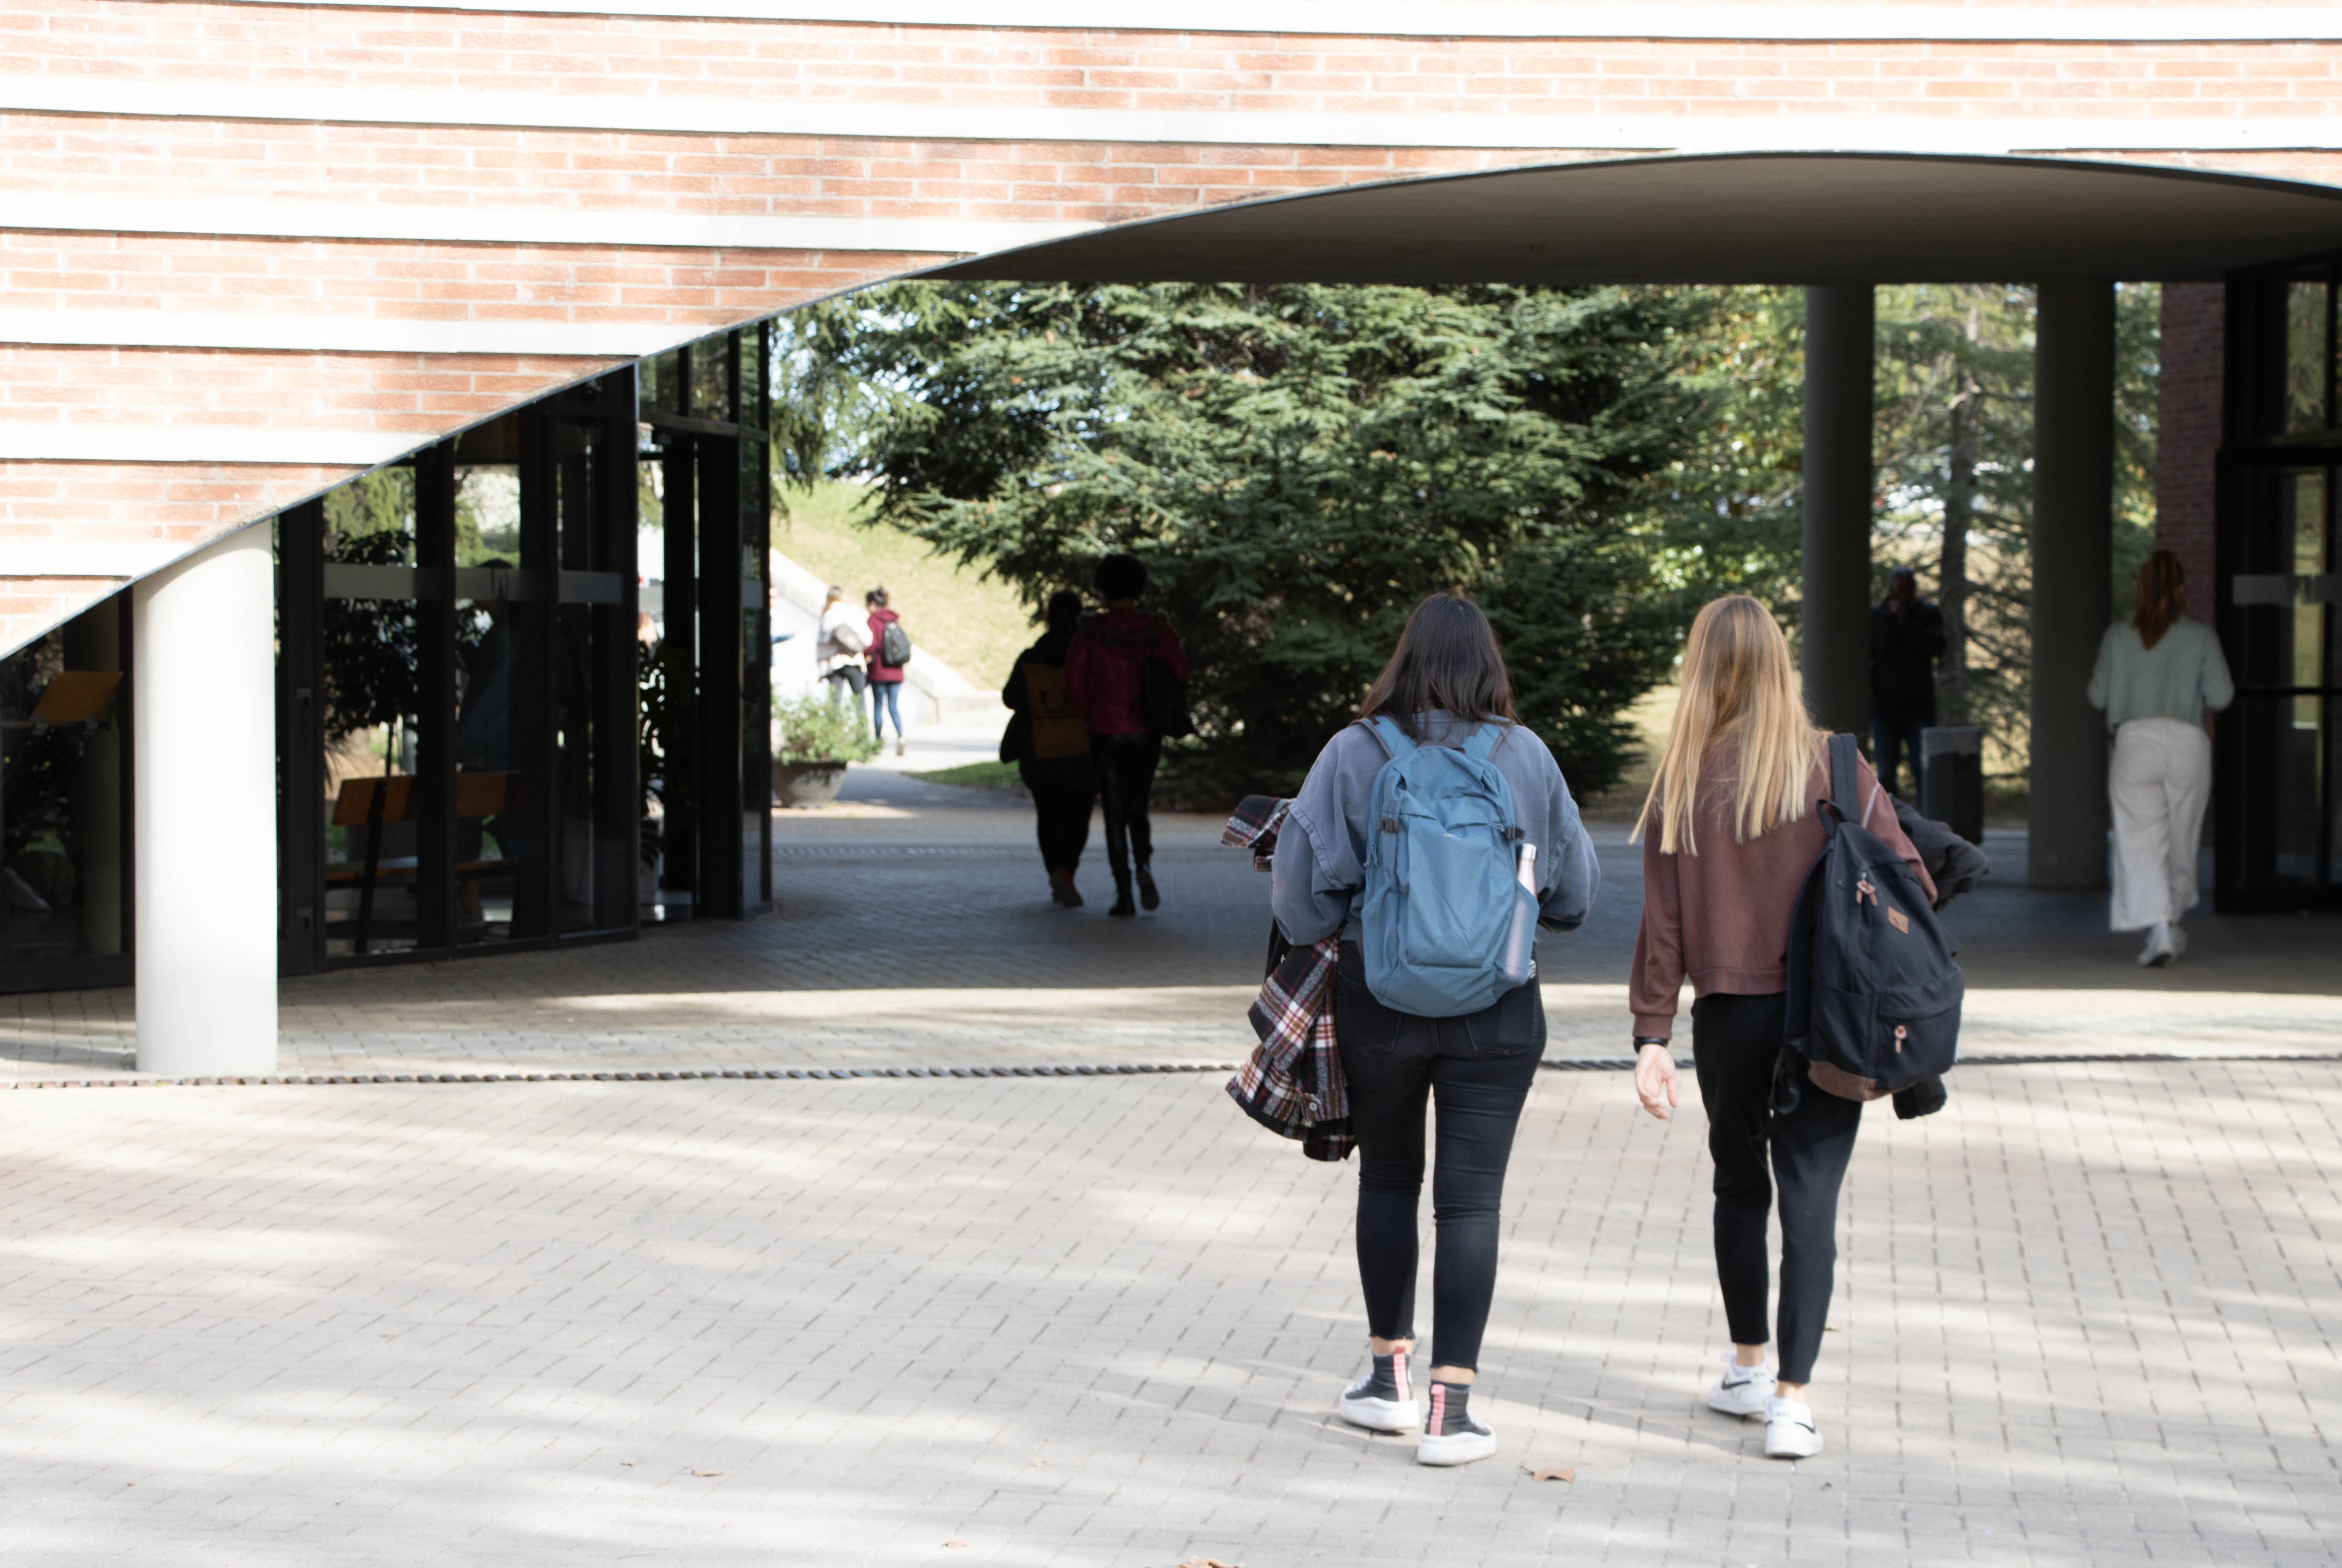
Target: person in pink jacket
(1729, 832)
(1102, 678)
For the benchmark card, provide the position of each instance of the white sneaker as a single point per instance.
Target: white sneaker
(1381, 1401)
(1743, 1389)
(2160, 948)
(2178, 940)
(1451, 1434)
(1789, 1431)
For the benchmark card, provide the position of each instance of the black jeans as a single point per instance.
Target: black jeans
(1736, 1044)
(1476, 1070)
(1126, 779)
(1064, 789)
(1892, 737)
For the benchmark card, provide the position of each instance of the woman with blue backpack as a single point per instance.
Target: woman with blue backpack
(1412, 840)
(1731, 832)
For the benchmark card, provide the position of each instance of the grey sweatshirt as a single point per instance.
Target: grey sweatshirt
(1321, 854)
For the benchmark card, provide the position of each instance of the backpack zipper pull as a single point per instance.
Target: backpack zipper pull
(1863, 890)
(1899, 1033)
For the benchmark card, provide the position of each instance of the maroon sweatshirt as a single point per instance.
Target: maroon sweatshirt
(1722, 916)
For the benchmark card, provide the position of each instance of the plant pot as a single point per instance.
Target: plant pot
(806, 784)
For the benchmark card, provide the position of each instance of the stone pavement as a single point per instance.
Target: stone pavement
(2090, 1316)
(913, 929)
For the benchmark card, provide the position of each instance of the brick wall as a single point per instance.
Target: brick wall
(395, 175)
(2188, 405)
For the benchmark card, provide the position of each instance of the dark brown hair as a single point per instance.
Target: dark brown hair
(1447, 658)
(2162, 596)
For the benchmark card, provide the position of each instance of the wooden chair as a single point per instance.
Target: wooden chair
(370, 803)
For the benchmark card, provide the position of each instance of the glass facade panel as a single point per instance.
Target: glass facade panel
(661, 382)
(2307, 358)
(373, 694)
(711, 377)
(492, 809)
(64, 760)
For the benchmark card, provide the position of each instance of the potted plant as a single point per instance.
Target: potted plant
(813, 740)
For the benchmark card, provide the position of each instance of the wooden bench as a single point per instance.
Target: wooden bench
(370, 803)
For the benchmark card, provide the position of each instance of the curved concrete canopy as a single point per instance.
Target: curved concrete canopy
(1756, 217)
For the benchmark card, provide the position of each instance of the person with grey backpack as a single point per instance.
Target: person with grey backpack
(1746, 834)
(1433, 837)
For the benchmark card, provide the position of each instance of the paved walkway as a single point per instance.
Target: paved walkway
(2087, 1316)
(913, 929)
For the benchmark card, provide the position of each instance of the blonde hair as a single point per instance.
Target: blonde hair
(1740, 690)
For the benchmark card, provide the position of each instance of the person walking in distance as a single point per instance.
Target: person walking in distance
(885, 680)
(839, 646)
(1445, 686)
(2157, 674)
(1051, 748)
(1906, 634)
(1730, 830)
(1103, 673)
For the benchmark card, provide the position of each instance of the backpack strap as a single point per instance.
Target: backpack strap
(1484, 740)
(1845, 777)
(1395, 740)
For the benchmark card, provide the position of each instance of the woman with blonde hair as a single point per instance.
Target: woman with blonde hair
(2157, 674)
(1729, 831)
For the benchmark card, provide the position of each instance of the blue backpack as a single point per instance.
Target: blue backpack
(1442, 891)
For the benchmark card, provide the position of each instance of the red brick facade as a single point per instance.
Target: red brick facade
(2188, 432)
(318, 235)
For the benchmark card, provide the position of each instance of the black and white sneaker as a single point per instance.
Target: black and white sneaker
(1381, 1401)
(1450, 1435)
(1789, 1430)
(1743, 1389)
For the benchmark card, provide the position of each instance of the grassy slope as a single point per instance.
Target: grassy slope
(975, 626)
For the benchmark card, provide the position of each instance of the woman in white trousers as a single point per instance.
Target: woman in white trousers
(2157, 674)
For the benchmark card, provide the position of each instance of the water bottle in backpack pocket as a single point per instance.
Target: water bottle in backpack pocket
(1875, 987)
(1441, 895)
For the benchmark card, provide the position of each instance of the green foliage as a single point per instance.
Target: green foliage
(1298, 466)
(975, 775)
(811, 729)
(374, 657)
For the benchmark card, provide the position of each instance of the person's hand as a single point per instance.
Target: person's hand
(1654, 1080)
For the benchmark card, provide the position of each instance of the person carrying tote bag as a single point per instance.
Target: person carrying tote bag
(1730, 831)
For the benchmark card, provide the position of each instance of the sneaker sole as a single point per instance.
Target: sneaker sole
(1798, 1453)
(1378, 1415)
(1718, 1400)
(1463, 1448)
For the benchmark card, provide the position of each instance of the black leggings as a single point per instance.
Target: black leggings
(1735, 1042)
(1476, 1070)
(1125, 778)
(1062, 798)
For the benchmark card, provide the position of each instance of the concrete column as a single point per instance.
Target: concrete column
(1834, 620)
(203, 696)
(2072, 567)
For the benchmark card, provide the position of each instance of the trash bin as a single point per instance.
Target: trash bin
(1951, 779)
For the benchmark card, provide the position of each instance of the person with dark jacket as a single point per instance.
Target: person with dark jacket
(1102, 674)
(1050, 746)
(885, 680)
(1906, 634)
(1444, 683)
(1729, 832)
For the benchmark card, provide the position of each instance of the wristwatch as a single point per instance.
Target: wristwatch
(1643, 1040)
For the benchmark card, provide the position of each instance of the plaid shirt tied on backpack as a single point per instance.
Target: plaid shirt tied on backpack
(1293, 1086)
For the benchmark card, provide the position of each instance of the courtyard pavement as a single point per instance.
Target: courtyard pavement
(2089, 1314)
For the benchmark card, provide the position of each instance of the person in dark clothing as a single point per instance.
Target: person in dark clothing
(1906, 634)
(1102, 677)
(1051, 747)
(1444, 681)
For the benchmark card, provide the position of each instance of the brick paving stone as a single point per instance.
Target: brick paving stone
(2087, 1315)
